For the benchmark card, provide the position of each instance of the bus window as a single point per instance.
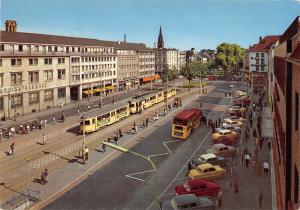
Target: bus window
(132, 105)
(178, 128)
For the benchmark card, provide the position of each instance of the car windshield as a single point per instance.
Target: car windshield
(187, 187)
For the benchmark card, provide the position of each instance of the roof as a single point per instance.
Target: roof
(291, 30)
(104, 110)
(185, 199)
(204, 166)
(265, 44)
(34, 38)
(186, 114)
(209, 155)
(218, 146)
(296, 53)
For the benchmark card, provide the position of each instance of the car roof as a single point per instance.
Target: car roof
(224, 130)
(204, 166)
(218, 146)
(185, 199)
(208, 155)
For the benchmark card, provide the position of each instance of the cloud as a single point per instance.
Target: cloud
(298, 1)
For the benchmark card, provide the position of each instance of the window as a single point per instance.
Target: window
(257, 54)
(49, 49)
(55, 49)
(48, 95)
(48, 75)
(61, 74)
(296, 111)
(33, 98)
(2, 47)
(1, 80)
(1, 103)
(20, 48)
(16, 78)
(61, 60)
(16, 100)
(33, 61)
(33, 76)
(61, 92)
(36, 48)
(289, 46)
(16, 62)
(257, 68)
(48, 61)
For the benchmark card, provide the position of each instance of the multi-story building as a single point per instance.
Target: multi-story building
(146, 65)
(259, 61)
(165, 57)
(285, 107)
(181, 59)
(39, 71)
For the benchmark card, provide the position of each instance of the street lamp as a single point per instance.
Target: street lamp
(83, 140)
(125, 150)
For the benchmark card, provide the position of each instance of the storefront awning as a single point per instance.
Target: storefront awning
(154, 77)
(88, 92)
(98, 90)
(109, 87)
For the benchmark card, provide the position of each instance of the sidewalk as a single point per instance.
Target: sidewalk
(250, 180)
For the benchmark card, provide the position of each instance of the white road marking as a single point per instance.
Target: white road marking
(132, 177)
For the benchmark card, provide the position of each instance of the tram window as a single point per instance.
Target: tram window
(113, 113)
(87, 122)
(132, 105)
(93, 121)
(99, 118)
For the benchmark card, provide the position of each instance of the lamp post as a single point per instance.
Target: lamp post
(125, 150)
(28, 192)
(83, 141)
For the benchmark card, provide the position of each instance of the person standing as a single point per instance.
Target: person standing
(100, 104)
(86, 153)
(247, 159)
(45, 176)
(269, 143)
(63, 117)
(120, 133)
(12, 148)
(113, 101)
(103, 147)
(219, 199)
(89, 107)
(266, 168)
(44, 139)
(78, 111)
(54, 120)
(116, 138)
(147, 122)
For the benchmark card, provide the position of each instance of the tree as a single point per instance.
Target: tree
(169, 74)
(189, 71)
(229, 57)
(201, 69)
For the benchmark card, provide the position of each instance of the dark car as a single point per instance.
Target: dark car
(209, 158)
(226, 141)
(190, 201)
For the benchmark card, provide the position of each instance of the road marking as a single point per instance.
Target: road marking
(142, 172)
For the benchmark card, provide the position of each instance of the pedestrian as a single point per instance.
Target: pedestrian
(86, 153)
(216, 124)
(189, 168)
(235, 186)
(269, 143)
(120, 133)
(219, 120)
(78, 111)
(225, 94)
(260, 198)
(103, 147)
(45, 176)
(247, 159)
(266, 167)
(63, 117)
(1, 133)
(147, 122)
(219, 199)
(44, 139)
(113, 101)
(54, 120)
(245, 151)
(133, 129)
(143, 124)
(254, 133)
(12, 148)
(42, 180)
(116, 138)
(89, 107)
(261, 142)
(100, 104)
(160, 205)
(200, 104)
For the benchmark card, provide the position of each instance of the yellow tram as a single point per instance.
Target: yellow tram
(97, 119)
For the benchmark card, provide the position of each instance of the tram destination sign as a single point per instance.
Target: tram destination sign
(22, 88)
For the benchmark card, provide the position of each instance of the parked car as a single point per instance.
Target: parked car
(242, 101)
(222, 150)
(190, 202)
(209, 158)
(240, 93)
(237, 111)
(230, 122)
(232, 86)
(198, 187)
(225, 140)
(207, 171)
(225, 132)
(235, 118)
(229, 127)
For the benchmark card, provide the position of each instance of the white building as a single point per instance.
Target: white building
(166, 58)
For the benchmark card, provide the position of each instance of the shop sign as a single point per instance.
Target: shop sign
(23, 88)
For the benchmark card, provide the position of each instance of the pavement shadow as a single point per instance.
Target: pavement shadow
(74, 130)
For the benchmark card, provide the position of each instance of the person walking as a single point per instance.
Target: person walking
(89, 107)
(100, 104)
(219, 120)
(45, 176)
(120, 133)
(86, 153)
(116, 138)
(245, 151)
(189, 168)
(103, 147)
(261, 142)
(247, 159)
(113, 101)
(54, 120)
(63, 117)
(266, 167)
(44, 139)
(235, 185)
(147, 122)
(219, 199)
(133, 128)
(12, 148)
(269, 143)
(260, 198)
(78, 111)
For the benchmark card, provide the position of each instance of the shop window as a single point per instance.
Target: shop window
(1, 103)
(61, 92)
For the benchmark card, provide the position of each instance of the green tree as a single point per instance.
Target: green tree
(229, 57)
(169, 74)
(189, 71)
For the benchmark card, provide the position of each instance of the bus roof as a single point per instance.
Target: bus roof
(103, 110)
(186, 114)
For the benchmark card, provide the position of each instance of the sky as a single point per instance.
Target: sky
(200, 24)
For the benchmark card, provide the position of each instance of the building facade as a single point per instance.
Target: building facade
(39, 71)
(166, 58)
(258, 56)
(181, 59)
(285, 107)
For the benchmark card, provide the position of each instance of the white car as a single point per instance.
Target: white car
(236, 118)
(232, 86)
(229, 127)
(240, 93)
(230, 122)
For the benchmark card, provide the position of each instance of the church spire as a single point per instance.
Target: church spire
(160, 41)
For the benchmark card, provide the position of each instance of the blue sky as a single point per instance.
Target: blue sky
(185, 23)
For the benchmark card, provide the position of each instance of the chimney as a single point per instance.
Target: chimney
(124, 38)
(260, 38)
(11, 26)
